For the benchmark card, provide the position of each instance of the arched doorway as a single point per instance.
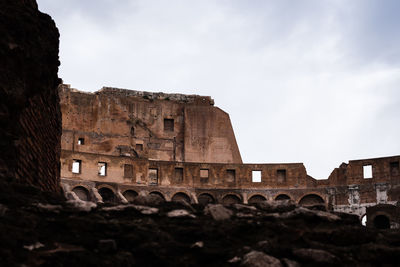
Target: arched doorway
(282, 197)
(130, 195)
(256, 199)
(381, 222)
(181, 196)
(82, 193)
(311, 200)
(107, 194)
(205, 199)
(231, 199)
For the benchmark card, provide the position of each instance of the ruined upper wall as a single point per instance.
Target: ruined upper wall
(383, 170)
(30, 119)
(181, 98)
(157, 126)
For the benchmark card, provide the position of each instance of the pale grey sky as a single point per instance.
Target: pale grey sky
(313, 81)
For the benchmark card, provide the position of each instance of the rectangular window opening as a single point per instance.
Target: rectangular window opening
(81, 141)
(169, 125)
(367, 171)
(394, 168)
(76, 166)
(153, 176)
(203, 173)
(102, 168)
(256, 176)
(281, 174)
(230, 176)
(128, 171)
(139, 147)
(179, 175)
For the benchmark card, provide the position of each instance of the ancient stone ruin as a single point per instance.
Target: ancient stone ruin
(30, 118)
(123, 143)
(140, 149)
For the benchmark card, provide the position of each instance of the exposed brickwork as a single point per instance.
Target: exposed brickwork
(171, 127)
(30, 118)
(190, 155)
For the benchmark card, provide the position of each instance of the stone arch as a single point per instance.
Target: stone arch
(311, 199)
(107, 194)
(82, 192)
(106, 186)
(157, 193)
(256, 198)
(179, 196)
(282, 197)
(231, 198)
(381, 222)
(206, 198)
(130, 195)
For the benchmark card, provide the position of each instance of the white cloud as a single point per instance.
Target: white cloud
(296, 77)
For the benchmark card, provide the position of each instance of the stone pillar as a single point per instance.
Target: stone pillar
(381, 193)
(244, 196)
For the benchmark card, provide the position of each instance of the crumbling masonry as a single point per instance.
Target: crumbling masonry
(117, 144)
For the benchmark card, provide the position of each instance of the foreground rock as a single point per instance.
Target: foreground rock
(38, 229)
(260, 259)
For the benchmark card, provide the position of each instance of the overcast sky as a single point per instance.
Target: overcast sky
(303, 81)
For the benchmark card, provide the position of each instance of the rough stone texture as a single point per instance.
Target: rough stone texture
(193, 156)
(132, 123)
(125, 235)
(260, 259)
(30, 118)
(315, 255)
(218, 212)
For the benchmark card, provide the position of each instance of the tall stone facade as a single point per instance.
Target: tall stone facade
(169, 127)
(121, 143)
(30, 118)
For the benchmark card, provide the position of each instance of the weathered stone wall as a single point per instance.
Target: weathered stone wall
(219, 175)
(295, 184)
(171, 127)
(198, 158)
(30, 118)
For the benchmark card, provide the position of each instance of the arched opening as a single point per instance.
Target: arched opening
(130, 195)
(311, 200)
(156, 193)
(381, 222)
(256, 199)
(230, 199)
(282, 197)
(107, 194)
(82, 193)
(364, 220)
(205, 199)
(181, 196)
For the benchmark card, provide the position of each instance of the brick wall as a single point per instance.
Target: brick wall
(30, 118)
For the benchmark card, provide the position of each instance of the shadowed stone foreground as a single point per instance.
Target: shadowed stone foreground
(41, 229)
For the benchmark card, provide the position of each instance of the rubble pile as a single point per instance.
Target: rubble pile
(42, 229)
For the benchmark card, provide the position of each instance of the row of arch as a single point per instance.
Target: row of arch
(204, 198)
(379, 221)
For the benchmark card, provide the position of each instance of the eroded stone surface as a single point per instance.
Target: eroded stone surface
(125, 235)
(260, 259)
(218, 212)
(30, 117)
